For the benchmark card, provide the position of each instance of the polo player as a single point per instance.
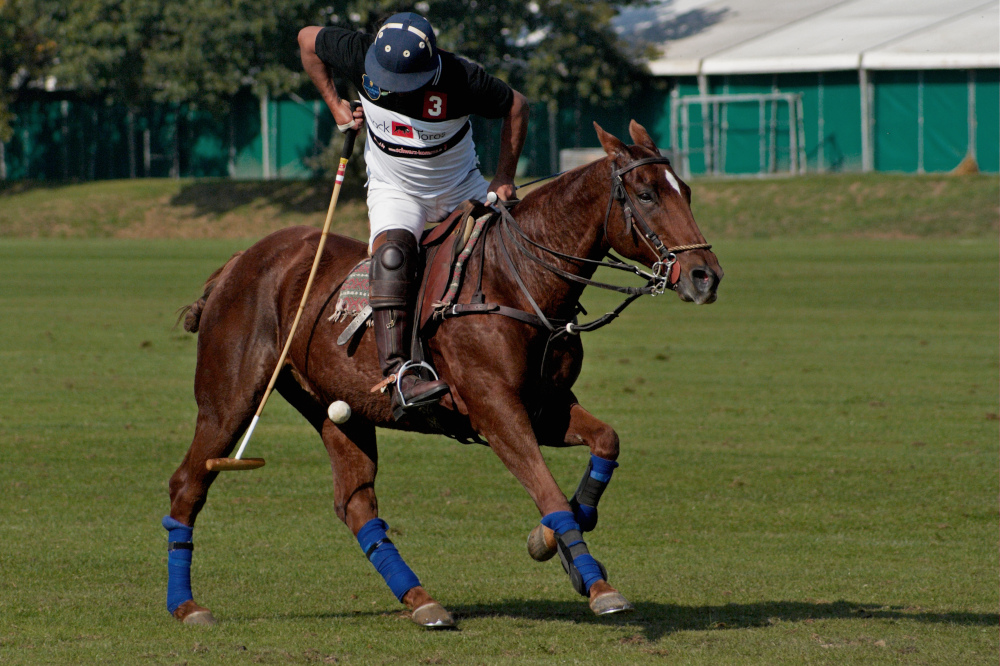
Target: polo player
(422, 164)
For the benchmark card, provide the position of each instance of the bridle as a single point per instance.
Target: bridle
(667, 255)
(657, 281)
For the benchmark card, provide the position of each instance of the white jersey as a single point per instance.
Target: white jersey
(422, 158)
(419, 142)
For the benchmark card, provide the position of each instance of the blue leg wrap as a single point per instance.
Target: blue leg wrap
(381, 552)
(572, 548)
(178, 562)
(588, 493)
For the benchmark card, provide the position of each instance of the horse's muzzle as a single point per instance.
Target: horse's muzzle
(699, 285)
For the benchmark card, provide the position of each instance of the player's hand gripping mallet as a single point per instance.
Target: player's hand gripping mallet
(238, 462)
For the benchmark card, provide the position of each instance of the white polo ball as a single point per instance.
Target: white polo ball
(339, 411)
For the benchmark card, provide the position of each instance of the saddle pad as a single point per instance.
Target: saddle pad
(354, 294)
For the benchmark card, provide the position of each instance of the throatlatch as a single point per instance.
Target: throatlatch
(593, 484)
(179, 552)
(576, 559)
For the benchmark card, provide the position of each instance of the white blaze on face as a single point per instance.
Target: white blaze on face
(673, 181)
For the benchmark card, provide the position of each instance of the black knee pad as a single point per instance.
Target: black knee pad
(393, 270)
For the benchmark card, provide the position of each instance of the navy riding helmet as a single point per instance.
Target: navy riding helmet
(404, 55)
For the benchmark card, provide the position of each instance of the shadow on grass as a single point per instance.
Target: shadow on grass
(221, 195)
(15, 187)
(216, 197)
(655, 620)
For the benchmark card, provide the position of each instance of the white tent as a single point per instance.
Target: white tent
(764, 36)
(928, 64)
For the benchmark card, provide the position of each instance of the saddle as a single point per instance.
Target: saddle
(446, 247)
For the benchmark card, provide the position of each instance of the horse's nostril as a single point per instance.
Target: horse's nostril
(703, 277)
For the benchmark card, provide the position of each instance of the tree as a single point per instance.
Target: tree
(549, 49)
(213, 49)
(103, 47)
(26, 50)
(198, 52)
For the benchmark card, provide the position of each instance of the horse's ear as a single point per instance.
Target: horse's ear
(612, 144)
(641, 137)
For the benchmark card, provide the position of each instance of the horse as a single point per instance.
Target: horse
(510, 365)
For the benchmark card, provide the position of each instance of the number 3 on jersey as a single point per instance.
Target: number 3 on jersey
(435, 105)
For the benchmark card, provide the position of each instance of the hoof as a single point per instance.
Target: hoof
(433, 616)
(191, 613)
(542, 543)
(610, 603)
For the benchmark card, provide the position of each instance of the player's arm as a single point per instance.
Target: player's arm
(320, 75)
(512, 136)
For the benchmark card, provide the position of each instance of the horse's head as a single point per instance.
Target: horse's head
(650, 217)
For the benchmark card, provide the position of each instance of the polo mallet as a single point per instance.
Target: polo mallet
(238, 462)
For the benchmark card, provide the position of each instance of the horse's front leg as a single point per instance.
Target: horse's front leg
(583, 428)
(566, 423)
(354, 459)
(508, 429)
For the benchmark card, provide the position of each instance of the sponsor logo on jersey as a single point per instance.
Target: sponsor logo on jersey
(403, 130)
(399, 129)
(430, 136)
(372, 90)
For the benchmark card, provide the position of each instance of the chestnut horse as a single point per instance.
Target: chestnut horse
(630, 202)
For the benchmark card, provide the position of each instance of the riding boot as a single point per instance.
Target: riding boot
(392, 283)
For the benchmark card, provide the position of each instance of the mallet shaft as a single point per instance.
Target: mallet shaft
(345, 155)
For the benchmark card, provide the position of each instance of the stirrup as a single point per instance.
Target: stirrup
(409, 367)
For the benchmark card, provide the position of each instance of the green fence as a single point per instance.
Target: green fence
(64, 137)
(921, 122)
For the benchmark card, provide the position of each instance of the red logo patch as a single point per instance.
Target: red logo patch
(435, 105)
(399, 129)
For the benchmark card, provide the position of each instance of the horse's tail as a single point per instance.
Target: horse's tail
(191, 314)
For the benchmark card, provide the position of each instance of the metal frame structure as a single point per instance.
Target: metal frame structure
(715, 125)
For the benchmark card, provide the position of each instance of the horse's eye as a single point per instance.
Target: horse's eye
(645, 197)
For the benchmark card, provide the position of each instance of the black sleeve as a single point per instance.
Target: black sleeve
(344, 52)
(489, 97)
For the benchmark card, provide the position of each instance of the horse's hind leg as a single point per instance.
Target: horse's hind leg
(354, 459)
(226, 403)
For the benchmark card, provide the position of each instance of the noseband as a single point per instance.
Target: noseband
(667, 255)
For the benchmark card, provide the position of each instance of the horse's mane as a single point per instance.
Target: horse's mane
(562, 179)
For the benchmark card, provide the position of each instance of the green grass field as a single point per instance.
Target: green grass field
(808, 475)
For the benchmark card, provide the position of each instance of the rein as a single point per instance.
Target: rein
(657, 281)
